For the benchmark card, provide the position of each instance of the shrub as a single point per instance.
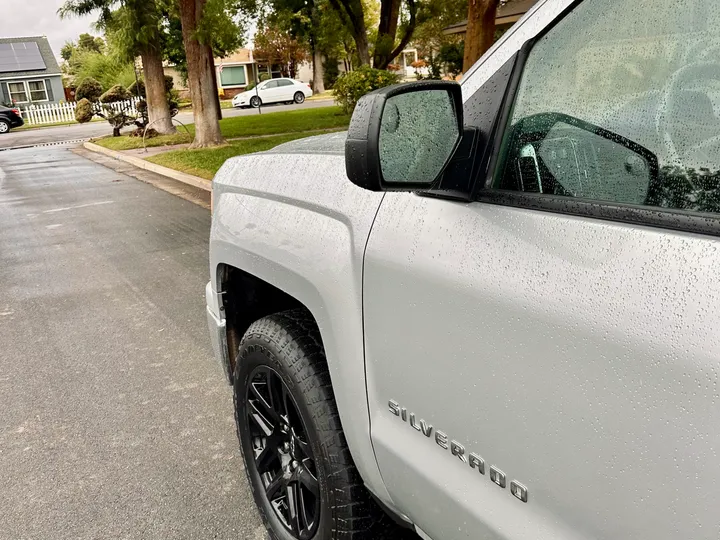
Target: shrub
(89, 89)
(133, 88)
(351, 86)
(84, 111)
(104, 68)
(331, 72)
(115, 93)
(452, 58)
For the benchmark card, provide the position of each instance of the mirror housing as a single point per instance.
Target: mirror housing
(386, 147)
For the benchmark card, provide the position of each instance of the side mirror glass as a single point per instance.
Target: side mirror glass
(402, 137)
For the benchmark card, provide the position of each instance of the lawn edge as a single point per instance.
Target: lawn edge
(185, 178)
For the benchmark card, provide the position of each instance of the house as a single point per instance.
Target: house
(29, 72)
(235, 72)
(507, 15)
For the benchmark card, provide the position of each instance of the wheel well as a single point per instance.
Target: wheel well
(247, 298)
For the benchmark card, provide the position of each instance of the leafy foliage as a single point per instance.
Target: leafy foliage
(89, 89)
(114, 94)
(451, 57)
(219, 25)
(107, 69)
(91, 96)
(137, 88)
(351, 86)
(331, 72)
(86, 42)
(84, 111)
(275, 46)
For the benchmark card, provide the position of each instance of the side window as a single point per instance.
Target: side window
(271, 84)
(284, 82)
(619, 102)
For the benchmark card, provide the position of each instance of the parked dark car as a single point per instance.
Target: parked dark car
(9, 118)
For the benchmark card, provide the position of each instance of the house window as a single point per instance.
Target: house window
(38, 91)
(18, 94)
(232, 76)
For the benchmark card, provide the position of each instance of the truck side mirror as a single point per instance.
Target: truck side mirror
(402, 137)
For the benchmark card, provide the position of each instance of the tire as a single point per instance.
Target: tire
(284, 351)
(4, 126)
(299, 97)
(255, 102)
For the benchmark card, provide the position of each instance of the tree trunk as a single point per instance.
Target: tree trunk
(215, 83)
(363, 49)
(157, 104)
(384, 61)
(480, 34)
(387, 30)
(318, 85)
(352, 14)
(200, 77)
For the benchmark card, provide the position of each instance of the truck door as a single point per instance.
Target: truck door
(543, 361)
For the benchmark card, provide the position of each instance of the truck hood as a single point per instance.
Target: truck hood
(307, 172)
(331, 143)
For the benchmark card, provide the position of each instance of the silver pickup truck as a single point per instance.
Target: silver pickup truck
(490, 310)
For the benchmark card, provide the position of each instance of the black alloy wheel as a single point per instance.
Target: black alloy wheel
(297, 461)
(299, 97)
(282, 456)
(255, 102)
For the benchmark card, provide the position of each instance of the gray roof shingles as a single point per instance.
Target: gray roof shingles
(52, 67)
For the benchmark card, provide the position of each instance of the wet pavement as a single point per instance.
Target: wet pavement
(116, 421)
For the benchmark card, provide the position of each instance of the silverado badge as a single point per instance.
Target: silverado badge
(518, 490)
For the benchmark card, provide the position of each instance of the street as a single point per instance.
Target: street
(116, 421)
(72, 132)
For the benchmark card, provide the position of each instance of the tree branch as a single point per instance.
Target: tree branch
(412, 8)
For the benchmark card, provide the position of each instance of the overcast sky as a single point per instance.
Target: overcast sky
(39, 18)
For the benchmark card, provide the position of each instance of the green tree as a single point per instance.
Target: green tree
(387, 46)
(86, 42)
(226, 35)
(108, 69)
(134, 28)
(432, 17)
(199, 19)
(275, 46)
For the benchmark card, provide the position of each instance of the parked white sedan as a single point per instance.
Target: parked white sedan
(273, 91)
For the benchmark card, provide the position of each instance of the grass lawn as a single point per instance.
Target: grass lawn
(327, 94)
(301, 121)
(206, 161)
(125, 142)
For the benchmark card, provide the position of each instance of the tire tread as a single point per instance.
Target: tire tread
(356, 516)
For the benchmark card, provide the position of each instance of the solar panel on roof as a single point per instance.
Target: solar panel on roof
(24, 56)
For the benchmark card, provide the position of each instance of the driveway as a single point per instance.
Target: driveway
(74, 132)
(116, 421)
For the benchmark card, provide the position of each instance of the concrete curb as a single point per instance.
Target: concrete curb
(185, 178)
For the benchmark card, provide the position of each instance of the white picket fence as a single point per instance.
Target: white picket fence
(37, 114)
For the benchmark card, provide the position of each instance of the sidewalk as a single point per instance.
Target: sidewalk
(141, 163)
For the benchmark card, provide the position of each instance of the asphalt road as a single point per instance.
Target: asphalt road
(115, 420)
(99, 129)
